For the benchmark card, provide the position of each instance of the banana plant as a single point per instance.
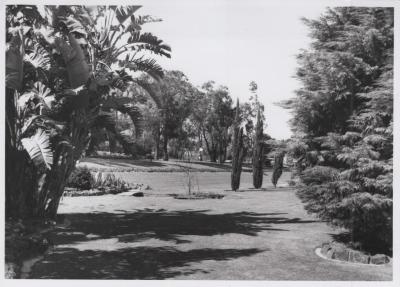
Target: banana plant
(62, 64)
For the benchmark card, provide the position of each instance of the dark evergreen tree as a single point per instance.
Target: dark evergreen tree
(258, 158)
(278, 167)
(238, 151)
(343, 118)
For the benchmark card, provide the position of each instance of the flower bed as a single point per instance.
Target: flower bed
(199, 195)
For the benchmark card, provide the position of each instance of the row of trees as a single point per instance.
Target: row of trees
(179, 118)
(343, 121)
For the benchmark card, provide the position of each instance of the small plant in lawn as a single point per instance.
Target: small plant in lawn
(190, 178)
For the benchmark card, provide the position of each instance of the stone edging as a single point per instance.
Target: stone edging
(319, 254)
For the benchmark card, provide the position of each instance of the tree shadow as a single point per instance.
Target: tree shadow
(122, 246)
(130, 263)
(169, 225)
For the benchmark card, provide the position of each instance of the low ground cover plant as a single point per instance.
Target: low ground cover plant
(83, 182)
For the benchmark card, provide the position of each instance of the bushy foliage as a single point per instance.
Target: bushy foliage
(343, 116)
(213, 116)
(81, 178)
(319, 175)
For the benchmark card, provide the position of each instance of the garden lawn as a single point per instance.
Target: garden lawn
(249, 235)
(110, 164)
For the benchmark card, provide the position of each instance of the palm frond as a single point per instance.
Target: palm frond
(149, 42)
(124, 12)
(135, 115)
(148, 66)
(151, 90)
(124, 105)
(137, 22)
(39, 149)
(106, 120)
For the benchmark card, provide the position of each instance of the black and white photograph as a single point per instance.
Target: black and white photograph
(238, 141)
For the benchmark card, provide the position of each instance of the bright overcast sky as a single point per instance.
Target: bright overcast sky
(235, 42)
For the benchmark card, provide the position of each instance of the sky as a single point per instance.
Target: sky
(235, 42)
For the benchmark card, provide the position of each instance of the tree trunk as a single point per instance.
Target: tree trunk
(65, 157)
(157, 140)
(221, 152)
(112, 143)
(225, 152)
(210, 150)
(165, 146)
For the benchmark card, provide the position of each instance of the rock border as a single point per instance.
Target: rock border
(340, 253)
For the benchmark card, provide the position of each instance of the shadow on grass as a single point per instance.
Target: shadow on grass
(130, 263)
(119, 257)
(171, 226)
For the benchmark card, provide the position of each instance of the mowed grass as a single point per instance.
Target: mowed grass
(248, 235)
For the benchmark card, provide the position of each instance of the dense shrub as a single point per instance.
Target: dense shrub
(319, 174)
(80, 178)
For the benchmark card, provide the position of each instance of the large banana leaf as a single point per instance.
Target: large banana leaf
(38, 58)
(40, 92)
(39, 148)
